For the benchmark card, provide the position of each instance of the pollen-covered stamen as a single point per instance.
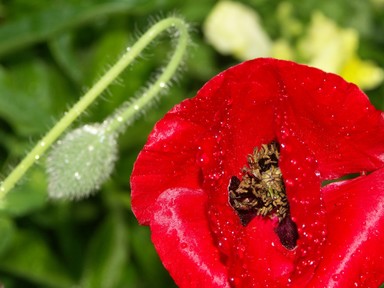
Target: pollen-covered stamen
(261, 191)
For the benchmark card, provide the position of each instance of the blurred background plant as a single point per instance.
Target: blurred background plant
(52, 51)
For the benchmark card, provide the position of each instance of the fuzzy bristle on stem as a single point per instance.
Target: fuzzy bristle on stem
(117, 122)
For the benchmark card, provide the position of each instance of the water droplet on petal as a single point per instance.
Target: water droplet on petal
(288, 182)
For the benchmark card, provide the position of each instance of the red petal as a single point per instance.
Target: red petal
(354, 252)
(254, 114)
(182, 238)
(169, 159)
(242, 120)
(333, 118)
(327, 128)
(258, 259)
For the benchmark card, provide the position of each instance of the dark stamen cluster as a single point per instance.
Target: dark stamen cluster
(261, 190)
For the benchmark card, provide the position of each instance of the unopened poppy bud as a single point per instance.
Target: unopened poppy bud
(81, 162)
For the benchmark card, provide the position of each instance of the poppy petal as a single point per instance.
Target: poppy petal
(168, 160)
(354, 251)
(326, 128)
(335, 119)
(181, 235)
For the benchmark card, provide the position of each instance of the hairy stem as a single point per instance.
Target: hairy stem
(128, 112)
(88, 98)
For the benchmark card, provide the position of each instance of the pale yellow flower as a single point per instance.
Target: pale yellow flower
(234, 29)
(364, 73)
(334, 49)
(282, 49)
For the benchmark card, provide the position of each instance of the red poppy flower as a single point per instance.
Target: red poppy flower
(230, 182)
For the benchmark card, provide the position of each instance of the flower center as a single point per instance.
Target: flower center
(261, 192)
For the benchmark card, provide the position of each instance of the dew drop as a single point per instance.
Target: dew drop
(119, 119)
(288, 182)
(217, 137)
(347, 135)
(37, 157)
(91, 129)
(42, 144)
(162, 85)
(128, 49)
(232, 281)
(214, 176)
(91, 148)
(136, 107)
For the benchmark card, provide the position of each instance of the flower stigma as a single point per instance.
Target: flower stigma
(261, 192)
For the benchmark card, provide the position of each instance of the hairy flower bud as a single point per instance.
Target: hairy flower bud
(81, 162)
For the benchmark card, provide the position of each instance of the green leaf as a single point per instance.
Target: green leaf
(42, 25)
(30, 94)
(107, 255)
(31, 259)
(29, 196)
(63, 51)
(7, 232)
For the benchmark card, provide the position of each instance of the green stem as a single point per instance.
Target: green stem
(127, 113)
(99, 87)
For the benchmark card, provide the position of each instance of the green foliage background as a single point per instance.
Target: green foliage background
(50, 52)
